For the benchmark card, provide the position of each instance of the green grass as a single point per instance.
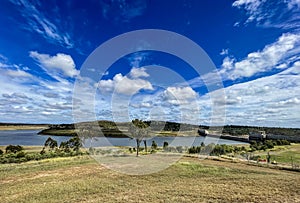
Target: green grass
(63, 132)
(291, 153)
(81, 179)
(284, 154)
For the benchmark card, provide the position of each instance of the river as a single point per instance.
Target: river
(31, 138)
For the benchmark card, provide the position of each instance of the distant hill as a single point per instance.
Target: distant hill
(245, 130)
(112, 129)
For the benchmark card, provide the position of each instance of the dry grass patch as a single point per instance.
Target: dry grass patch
(81, 179)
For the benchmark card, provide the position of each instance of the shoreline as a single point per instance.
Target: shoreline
(22, 127)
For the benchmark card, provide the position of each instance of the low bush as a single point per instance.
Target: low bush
(267, 144)
(154, 145)
(215, 150)
(13, 148)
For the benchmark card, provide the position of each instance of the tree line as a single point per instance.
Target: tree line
(17, 154)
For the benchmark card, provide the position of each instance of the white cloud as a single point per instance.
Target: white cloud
(127, 85)
(224, 52)
(275, 98)
(279, 14)
(179, 95)
(18, 73)
(138, 73)
(37, 22)
(55, 65)
(273, 56)
(293, 3)
(138, 58)
(251, 6)
(23, 97)
(291, 101)
(124, 85)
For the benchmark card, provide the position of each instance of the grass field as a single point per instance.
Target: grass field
(292, 153)
(81, 179)
(283, 154)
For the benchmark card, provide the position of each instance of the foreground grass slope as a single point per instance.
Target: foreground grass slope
(80, 179)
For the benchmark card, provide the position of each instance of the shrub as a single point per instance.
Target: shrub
(179, 149)
(43, 151)
(20, 154)
(154, 145)
(170, 149)
(269, 144)
(91, 150)
(13, 148)
(279, 142)
(285, 142)
(1, 152)
(194, 150)
(166, 144)
(152, 151)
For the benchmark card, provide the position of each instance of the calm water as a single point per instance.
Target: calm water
(31, 138)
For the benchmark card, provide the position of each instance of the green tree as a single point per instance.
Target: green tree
(165, 145)
(51, 143)
(154, 145)
(75, 143)
(64, 146)
(139, 130)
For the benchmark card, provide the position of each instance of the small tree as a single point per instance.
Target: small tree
(165, 145)
(139, 131)
(154, 145)
(75, 143)
(268, 157)
(64, 146)
(51, 143)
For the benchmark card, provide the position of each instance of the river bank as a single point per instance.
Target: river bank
(23, 127)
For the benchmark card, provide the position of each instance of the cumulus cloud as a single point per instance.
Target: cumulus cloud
(55, 65)
(179, 95)
(127, 85)
(138, 73)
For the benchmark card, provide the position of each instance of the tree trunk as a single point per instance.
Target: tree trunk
(145, 143)
(137, 146)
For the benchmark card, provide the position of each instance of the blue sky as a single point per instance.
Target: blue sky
(254, 44)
